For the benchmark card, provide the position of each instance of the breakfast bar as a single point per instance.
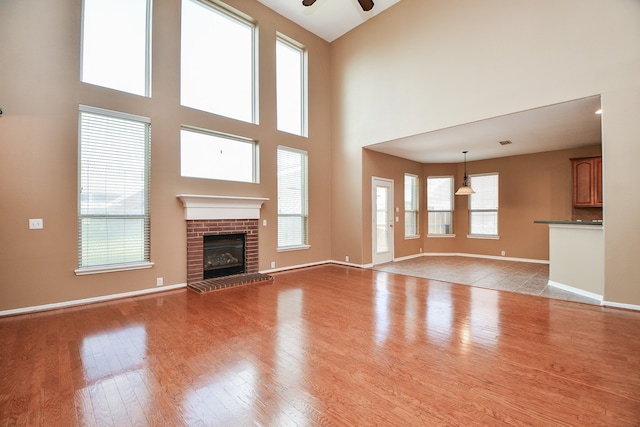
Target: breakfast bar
(576, 256)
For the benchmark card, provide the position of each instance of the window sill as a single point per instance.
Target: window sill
(293, 248)
(113, 268)
(483, 236)
(440, 235)
(415, 236)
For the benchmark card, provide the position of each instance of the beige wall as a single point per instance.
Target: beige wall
(430, 64)
(390, 167)
(40, 93)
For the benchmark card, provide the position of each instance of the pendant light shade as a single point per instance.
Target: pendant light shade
(466, 189)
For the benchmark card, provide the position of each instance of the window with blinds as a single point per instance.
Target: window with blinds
(116, 44)
(410, 205)
(290, 86)
(483, 205)
(292, 199)
(217, 61)
(440, 205)
(113, 200)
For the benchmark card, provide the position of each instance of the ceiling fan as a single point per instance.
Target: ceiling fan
(365, 4)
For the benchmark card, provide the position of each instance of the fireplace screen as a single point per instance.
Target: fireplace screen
(223, 255)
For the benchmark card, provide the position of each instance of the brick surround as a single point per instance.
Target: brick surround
(198, 228)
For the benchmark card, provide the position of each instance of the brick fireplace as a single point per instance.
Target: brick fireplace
(220, 215)
(198, 228)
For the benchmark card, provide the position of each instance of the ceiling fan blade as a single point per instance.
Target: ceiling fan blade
(308, 2)
(367, 5)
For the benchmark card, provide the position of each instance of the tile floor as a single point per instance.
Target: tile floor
(514, 276)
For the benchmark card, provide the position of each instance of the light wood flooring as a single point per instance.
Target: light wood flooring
(514, 276)
(324, 346)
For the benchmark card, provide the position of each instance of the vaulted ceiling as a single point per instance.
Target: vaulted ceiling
(569, 124)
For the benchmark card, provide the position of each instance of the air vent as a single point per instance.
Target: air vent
(505, 142)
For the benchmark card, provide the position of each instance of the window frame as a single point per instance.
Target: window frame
(255, 156)
(231, 14)
(304, 84)
(452, 199)
(147, 59)
(415, 205)
(146, 215)
(304, 203)
(472, 235)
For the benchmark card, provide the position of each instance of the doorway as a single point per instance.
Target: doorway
(382, 220)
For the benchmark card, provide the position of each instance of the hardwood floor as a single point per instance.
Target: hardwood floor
(327, 345)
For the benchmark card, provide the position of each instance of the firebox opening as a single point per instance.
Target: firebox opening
(223, 255)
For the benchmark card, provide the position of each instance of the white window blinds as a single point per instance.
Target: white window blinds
(113, 215)
(440, 204)
(483, 205)
(292, 198)
(410, 205)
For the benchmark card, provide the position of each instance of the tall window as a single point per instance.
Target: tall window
(410, 205)
(290, 87)
(483, 205)
(292, 198)
(217, 65)
(113, 215)
(116, 39)
(440, 205)
(217, 156)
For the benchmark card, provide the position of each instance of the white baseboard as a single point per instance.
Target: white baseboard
(577, 291)
(499, 258)
(404, 258)
(313, 264)
(621, 305)
(65, 304)
(295, 267)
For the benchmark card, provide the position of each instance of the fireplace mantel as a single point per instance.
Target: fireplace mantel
(197, 207)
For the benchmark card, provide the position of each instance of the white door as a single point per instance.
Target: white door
(382, 220)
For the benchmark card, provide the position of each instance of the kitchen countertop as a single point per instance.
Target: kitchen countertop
(538, 221)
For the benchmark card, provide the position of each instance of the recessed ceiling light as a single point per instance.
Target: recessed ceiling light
(505, 142)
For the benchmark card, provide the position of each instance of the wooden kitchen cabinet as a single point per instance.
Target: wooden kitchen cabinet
(587, 182)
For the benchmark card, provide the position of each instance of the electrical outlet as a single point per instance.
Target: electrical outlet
(420, 250)
(264, 222)
(503, 253)
(159, 281)
(346, 258)
(36, 224)
(273, 264)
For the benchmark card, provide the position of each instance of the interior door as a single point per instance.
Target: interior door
(382, 220)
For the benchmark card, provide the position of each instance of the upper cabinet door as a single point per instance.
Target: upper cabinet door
(587, 182)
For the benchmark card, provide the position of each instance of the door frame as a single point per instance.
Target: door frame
(375, 183)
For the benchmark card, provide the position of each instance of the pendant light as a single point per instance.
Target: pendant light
(465, 190)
